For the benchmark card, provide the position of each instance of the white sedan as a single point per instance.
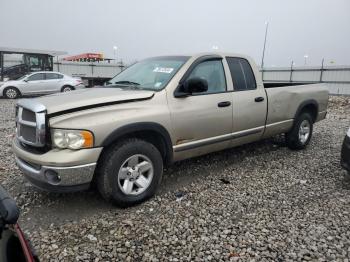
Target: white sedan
(39, 83)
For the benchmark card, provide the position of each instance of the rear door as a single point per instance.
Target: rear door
(249, 102)
(53, 82)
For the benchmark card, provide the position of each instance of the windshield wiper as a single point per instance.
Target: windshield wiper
(126, 83)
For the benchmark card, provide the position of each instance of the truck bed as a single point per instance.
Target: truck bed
(281, 84)
(284, 100)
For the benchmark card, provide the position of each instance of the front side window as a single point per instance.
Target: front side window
(241, 73)
(151, 74)
(213, 72)
(36, 77)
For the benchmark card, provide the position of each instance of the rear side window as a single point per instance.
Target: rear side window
(241, 73)
(53, 76)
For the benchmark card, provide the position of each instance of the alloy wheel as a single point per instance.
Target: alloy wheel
(135, 175)
(304, 131)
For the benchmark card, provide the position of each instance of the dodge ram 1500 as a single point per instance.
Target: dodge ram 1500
(157, 111)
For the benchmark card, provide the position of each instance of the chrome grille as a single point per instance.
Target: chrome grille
(28, 115)
(30, 123)
(28, 133)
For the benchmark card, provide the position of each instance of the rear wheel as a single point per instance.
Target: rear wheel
(300, 134)
(67, 89)
(130, 172)
(11, 92)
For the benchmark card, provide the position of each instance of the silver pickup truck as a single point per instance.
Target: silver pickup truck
(158, 111)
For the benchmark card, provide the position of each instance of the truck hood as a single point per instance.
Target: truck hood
(90, 98)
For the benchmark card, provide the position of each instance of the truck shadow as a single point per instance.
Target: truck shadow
(186, 171)
(49, 208)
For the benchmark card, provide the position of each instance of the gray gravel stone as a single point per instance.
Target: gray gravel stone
(279, 205)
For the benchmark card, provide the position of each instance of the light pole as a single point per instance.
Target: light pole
(305, 59)
(115, 48)
(263, 54)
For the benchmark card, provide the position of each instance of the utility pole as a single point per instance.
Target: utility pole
(322, 67)
(263, 54)
(291, 71)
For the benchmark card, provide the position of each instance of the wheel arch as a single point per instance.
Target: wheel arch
(14, 87)
(67, 85)
(148, 131)
(310, 106)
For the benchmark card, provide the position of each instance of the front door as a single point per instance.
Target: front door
(35, 84)
(202, 122)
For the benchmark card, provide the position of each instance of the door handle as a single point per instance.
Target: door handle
(224, 104)
(259, 99)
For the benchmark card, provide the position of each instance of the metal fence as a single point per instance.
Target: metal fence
(336, 78)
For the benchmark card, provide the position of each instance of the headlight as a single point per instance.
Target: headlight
(348, 133)
(72, 139)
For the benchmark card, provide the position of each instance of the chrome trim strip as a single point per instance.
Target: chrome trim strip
(40, 129)
(26, 123)
(248, 132)
(68, 167)
(281, 122)
(202, 142)
(217, 139)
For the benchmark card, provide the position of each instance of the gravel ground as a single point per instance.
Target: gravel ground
(260, 202)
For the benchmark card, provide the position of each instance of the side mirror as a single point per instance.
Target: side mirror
(25, 80)
(195, 85)
(192, 85)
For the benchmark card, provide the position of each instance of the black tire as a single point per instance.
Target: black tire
(293, 140)
(111, 162)
(11, 92)
(67, 88)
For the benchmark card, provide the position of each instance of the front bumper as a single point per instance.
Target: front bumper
(58, 170)
(345, 154)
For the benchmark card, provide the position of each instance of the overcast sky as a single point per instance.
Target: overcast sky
(142, 28)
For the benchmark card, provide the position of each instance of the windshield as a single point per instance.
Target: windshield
(151, 74)
(22, 77)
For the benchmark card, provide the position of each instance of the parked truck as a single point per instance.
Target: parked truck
(156, 112)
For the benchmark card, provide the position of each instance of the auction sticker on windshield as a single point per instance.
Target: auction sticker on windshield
(166, 70)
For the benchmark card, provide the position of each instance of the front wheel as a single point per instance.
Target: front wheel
(300, 134)
(11, 93)
(130, 172)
